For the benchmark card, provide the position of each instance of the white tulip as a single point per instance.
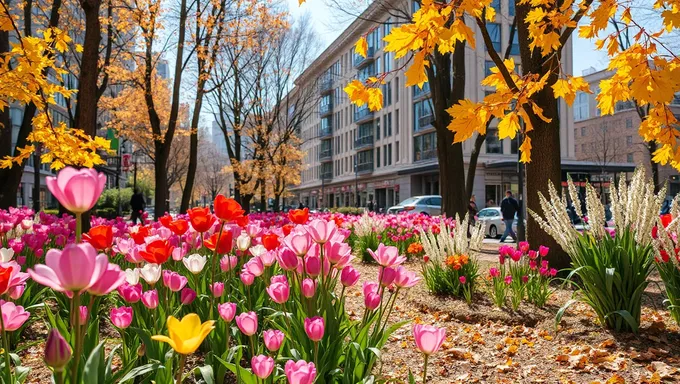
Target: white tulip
(132, 276)
(6, 254)
(258, 250)
(195, 263)
(243, 242)
(151, 273)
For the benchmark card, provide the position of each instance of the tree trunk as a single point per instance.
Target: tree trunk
(193, 151)
(36, 179)
(651, 146)
(545, 166)
(263, 195)
(86, 109)
(472, 166)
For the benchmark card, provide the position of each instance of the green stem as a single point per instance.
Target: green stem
(212, 273)
(76, 330)
(425, 369)
(180, 370)
(316, 353)
(59, 377)
(5, 345)
(79, 227)
(125, 354)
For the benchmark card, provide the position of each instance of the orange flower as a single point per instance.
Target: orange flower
(299, 216)
(270, 241)
(157, 251)
(5, 275)
(227, 209)
(223, 244)
(451, 260)
(100, 237)
(179, 227)
(464, 259)
(201, 219)
(414, 248)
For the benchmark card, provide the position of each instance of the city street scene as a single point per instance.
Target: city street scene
(339, 191)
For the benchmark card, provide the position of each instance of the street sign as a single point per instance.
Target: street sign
(127, 161)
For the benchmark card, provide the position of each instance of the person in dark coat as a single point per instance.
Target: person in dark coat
(137, 204)
(509, 208)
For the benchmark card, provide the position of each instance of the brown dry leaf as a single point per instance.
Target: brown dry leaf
(599, 356)
(616, 379)
(459, 354)
(512, 350)
(664, 370)
(507, 367)
(654, 379)
(578, 361)
(609, 343)
(477, 338)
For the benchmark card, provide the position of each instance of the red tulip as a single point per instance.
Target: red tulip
(666, 220)
(157, 251)
(165, 220)
(287, 228)
(242, 221)
(270, 241)
(227, 209)
(5, 275)
(201, 219)
(179, 227)
(223, 245)
(299, 216)
(140, 235)
(101, 237)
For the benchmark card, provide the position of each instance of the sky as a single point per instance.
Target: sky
(328, 29)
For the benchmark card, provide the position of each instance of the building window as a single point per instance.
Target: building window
(396, 121)
(514, 49)
(496, 5)
(377, 157)
(422, 115)
(387, 94)
(629, 123)
(495, 34)
(385, 155)
(396, 152)
(387, 61)
(377, 129)
(583, 148)
(488, 64)
(425, 147)
(581, 107)
(511, 8)
(630, 158)
(396, 87)
(514, 145)
(389, 154)
(583, 131)
(493, 144)
(629, 141)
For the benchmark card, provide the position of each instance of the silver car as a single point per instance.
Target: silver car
(491, 218)
(429, 205)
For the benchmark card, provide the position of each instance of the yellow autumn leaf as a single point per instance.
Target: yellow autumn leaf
(415, 74)
(361, 47)
(375, 99)
(525, 150)
(508, 126)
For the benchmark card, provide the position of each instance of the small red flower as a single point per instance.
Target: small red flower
(666, 219)
(223, 245)
(270, 241)
(165, 220)
(157, 251)
(179, 227)
(227, 209)
(139, 235)
(5, 275)
(299, 216)
(201, 219)
(100, 237)
(242, 221)
(287, 228)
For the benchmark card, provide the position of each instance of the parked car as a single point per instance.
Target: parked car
(429, 205)
(494, 226)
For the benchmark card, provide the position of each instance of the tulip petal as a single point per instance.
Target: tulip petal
(44, 275)
(165, 339)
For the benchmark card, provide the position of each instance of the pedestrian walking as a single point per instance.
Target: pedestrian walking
(509, 208)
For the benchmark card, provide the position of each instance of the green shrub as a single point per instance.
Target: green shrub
(107, 213)
(109, 199)
(452, 276)
(613, 275)
(348, 210)
(51, 211)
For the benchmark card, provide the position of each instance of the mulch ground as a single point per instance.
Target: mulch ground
(486, 344)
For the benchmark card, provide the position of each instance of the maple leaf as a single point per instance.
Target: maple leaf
(375, 99)
(508, 126)
(361, 47)
(525, 149)
(415, 74)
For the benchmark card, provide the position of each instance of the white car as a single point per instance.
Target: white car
(430, 205)
(494, 226)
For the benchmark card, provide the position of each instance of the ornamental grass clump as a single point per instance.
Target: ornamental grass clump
(368, 231)
(449, 265)
(613, 269)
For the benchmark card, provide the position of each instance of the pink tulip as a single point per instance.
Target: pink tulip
(533, 254)
(299, 242)
(247, 323)
(247, 278)
(262, 366)
(57, 351)
(428, 338)
(543, 251)
(227, 263)
(174, 281)
(278, 279)
(494, 272)
(462, 280)
(150, 299)
(372, 300)
(273, 339)
(308, 288)
(387, 256)
(268, 258)
(405, 278)
(312, 266)
(217, 289)
(130, 293)
(337, 252)
(227, 311)
(279, 292)
(16, 277)
(287, 259)
(75, 268)
(121, 317)
(300, 372)
(349, 276)
(369, 286)
(532, 264)
(77, 189)
(387, 276)
(253, 229)
(516, 256)
(187, 296)
(508, 279)
(13, 316)
(321, 230)
(254, 266)
(83, 315)
(17, 291)
(314, 328)
(112, 278)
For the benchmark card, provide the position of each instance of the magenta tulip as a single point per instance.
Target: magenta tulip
(150, 299)
(387, 256)
(74, 269)
(428, 338)
(543, 251)
(312, 266)
(314, 328)
(217, 289)
(187, 296)
(308, 288)
(83, 315)
(130, 293)
(13, 316)
(372, 300)
(387, 276)
(287, 259)
(247, 323)
(273, 338)
(321, 230)
(349, 276)
(77, 189)
(279, 292)
(227, 311)
(174, 281)
(300, 372)
(121, 317)
(57, 351)
(262, 366)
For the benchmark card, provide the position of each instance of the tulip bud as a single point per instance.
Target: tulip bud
(187, 296)
(57, 351)
(141, 351)
(83, 315)
(308, 288)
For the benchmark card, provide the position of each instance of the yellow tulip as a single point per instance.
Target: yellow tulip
(186, 335)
